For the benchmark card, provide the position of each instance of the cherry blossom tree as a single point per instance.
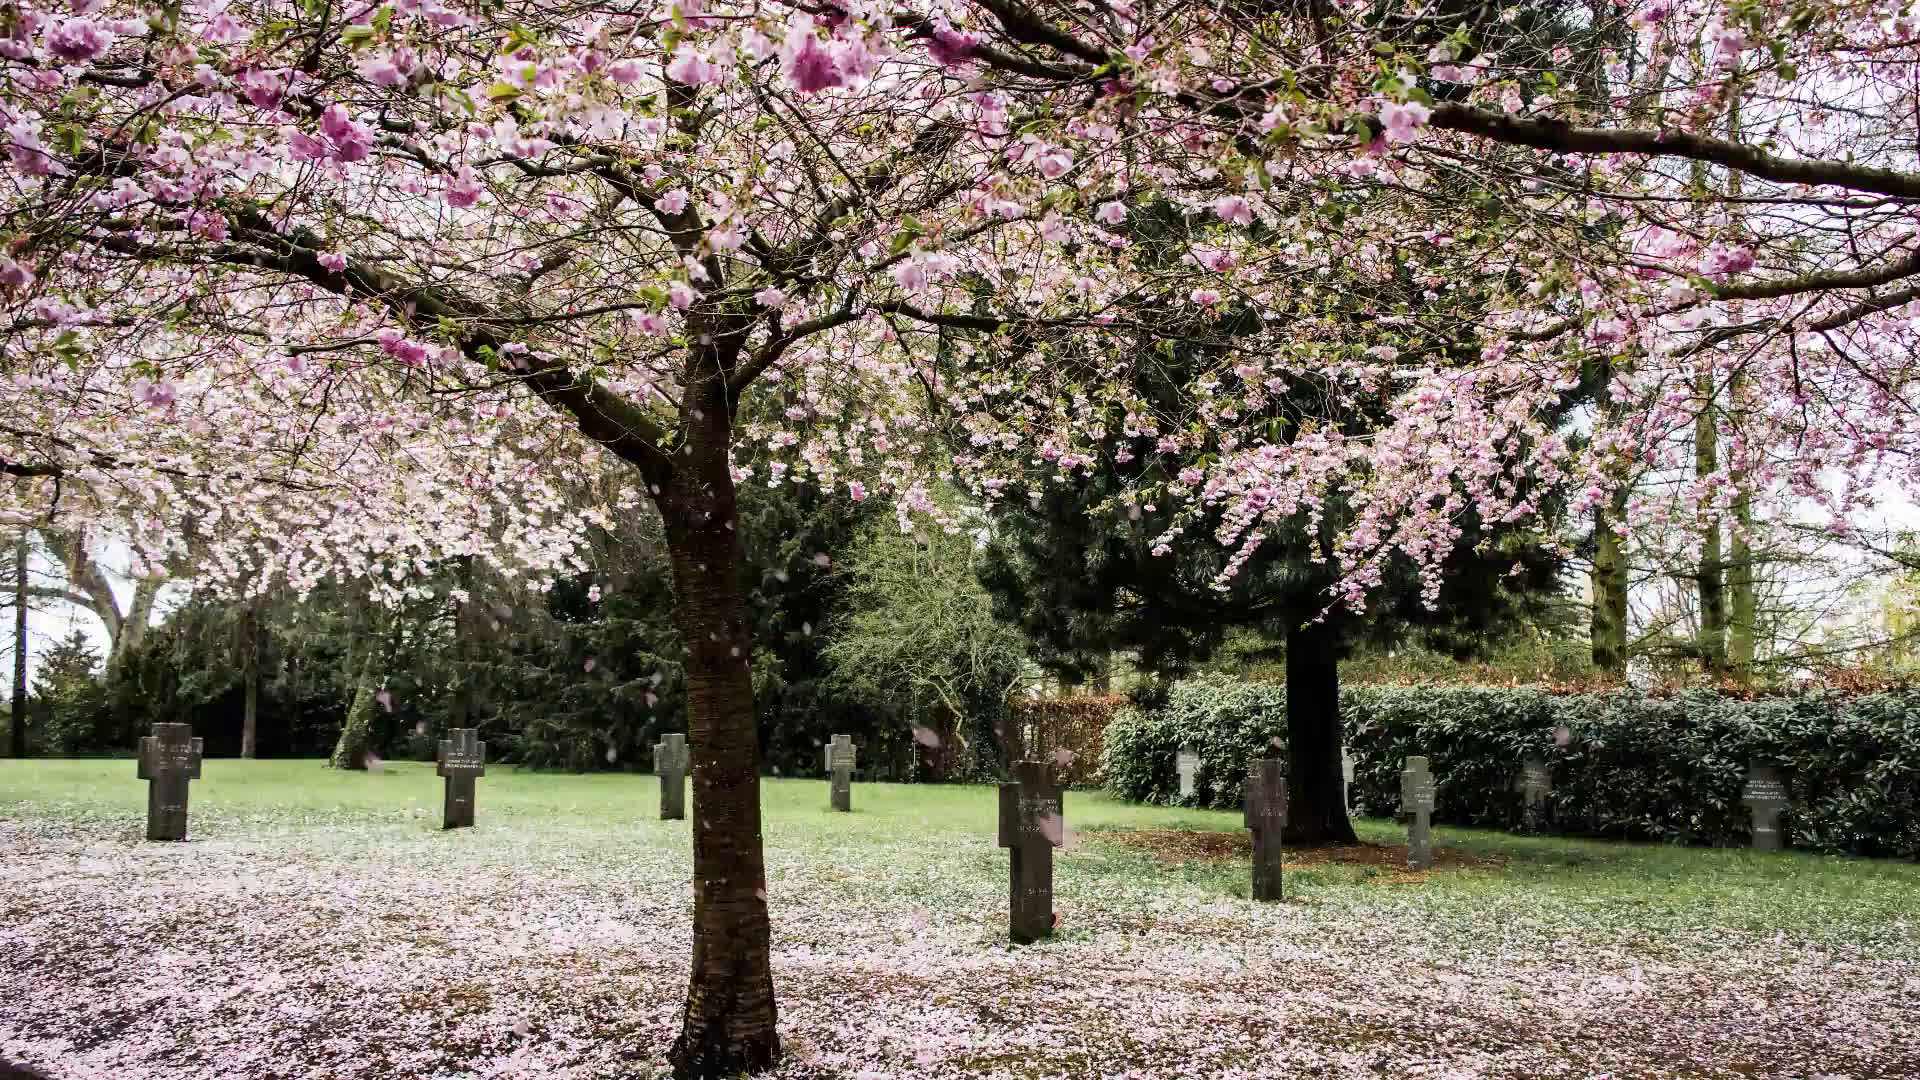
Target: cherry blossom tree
(349, 289)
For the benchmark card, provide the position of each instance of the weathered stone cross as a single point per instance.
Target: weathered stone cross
(168, 759)
(1766, 796)
(840, 755)
(1032, 824)
(1534, 783)
(1266, 815)
(1188, 765)
(462, 757)
(1416, 805)
(670, 761)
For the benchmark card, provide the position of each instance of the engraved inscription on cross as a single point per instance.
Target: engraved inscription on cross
(462, 757)
(1766, 795)
(670, 761)
(1266, 815)
(1534, 783)
(168, 759)
(1416, 805)
(840, 755)
(1188, 765)
(1031, 826)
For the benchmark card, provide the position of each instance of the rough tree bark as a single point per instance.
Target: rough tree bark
(1708, 571)
(1743, 631)
(350, 752)
(729, 1023)
(17, 745)
(1607, 630)
(250, 674)
(1316, 811)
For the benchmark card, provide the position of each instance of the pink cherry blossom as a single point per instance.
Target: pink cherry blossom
(1234, 210)
(1402, 120)
(76, 41)
(808, 66)
(693, 67)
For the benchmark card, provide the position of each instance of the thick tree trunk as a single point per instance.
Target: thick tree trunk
(1316, 808)
(1743, 629)
(1608, 630)
(1709, 572)
(17, 746)
(250, 718)
(729, 1023)
(350, 752)
(460, 706)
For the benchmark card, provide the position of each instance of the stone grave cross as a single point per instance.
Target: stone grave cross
(670, 761)
(840, 755)
(1534, 783)
(1416, 805)
(168, 759)
(1188, 764)
(1766, 796)
(1032, 824)
(462, 757)
(1266, 815)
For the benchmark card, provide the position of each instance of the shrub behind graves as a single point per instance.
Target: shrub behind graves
(1038, 728)
(1226, 721)
(1633, 765)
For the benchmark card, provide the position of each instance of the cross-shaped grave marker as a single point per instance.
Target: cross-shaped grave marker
(1534, 783)
(840, 755)
(1032, 824)
(1266, 815)
(1766, 795)
(670, 761)
(1416, 805)
(1187, 763)
(168, 759)
(462, 757)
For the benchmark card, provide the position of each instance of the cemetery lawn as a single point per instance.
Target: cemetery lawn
(320, 925)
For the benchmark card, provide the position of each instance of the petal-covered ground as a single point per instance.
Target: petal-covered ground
(316, 935)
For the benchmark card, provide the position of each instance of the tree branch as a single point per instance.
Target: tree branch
(1565, 138)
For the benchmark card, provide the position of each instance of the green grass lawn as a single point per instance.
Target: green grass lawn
(890, 950)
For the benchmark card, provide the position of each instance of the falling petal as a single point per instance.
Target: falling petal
(420, 726)
(921, 917)
(927, 737)
(652, 699)
(1562, 736)
(374, 764)
(820, 559)
(1063, 757)
(385, 698)
(589, 663)
(611, 755)
(806, 628)
(1054, 828)
(522, 1028)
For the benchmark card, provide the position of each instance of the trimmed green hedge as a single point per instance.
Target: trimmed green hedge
(1634, 766)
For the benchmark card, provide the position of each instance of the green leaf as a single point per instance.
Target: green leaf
(357, 35)
(501, 91)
